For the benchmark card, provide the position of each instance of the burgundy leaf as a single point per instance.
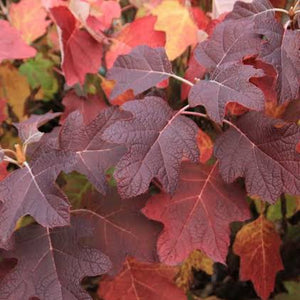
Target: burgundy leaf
(28, 130)
(141, 69)
(11, 44)
(228, 83)
(229, 43)
(262, 150)
(51, 263)
(198, 215)
(157, 139)
(121, 229)
(93, 155)
(31, 190)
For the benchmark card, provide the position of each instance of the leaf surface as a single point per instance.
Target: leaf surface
(157, 139)
(52, 262)
(93, 155)
(142, 281)
(262, 150)
(139, 70)
(228, 83)
(121, 228)
(198, 215)
(258, 246)
(12, 45)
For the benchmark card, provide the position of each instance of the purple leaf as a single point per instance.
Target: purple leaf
(93, 155)
(229, 83)
(157, 139)
(262, 150)
(52, 263)
(141, 69)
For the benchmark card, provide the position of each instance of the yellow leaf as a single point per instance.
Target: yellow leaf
(197, 260)
(175, 20)
(14, 88)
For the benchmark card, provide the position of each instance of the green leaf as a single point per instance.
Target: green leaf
(293, 289)
(39, 73)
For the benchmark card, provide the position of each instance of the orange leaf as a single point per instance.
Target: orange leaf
(142, 281)
(258, 245)
(29, 17)
(205, 146)
(175, 20)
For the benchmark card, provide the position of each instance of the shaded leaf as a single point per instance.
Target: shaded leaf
(157, 139)
(198, 215)
(139, 70)
(262, 150)
(52, 262)
(142, 281)
(257, 244)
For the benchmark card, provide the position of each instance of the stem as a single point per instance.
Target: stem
(10, 152)
(182, 79)
(296, 4)
(279, 10)
(193, 113)
(297, 11)
(11, 160)
(129, 6)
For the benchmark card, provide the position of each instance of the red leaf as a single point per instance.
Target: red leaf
(198, 215)
(139, 70)
(139, 32)
(51, 263)
(81, 53)
(258, 245)
(200, 18)
(92, 155)
(3, 115)
(142, 281)
(11, 44)
(89, 106)
(157, 139)
(205, 145)
(3, 170)
(121, 229)
(262, 150)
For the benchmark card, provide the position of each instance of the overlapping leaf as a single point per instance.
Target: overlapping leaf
(139, 70)
(52, 262)
(262, 150)
(228, 83)
(121, 229)
(157, 139)
(142, 281)
(258, 246)
(198, 215)
(93, 155)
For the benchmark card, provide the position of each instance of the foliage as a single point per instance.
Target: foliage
(148, 142)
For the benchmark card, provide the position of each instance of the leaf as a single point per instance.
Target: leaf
(179, 34)
(262, 150)
(12, 45)
(3, 169)
(205, 146)
(228, 83)
(89, 106)
(230, 42)
(81, 53)
(139, 70)
(198, 215)
(223, 6)
(28, 130)
(31, 190)
(139, 32)
(93, 155)
(3, 114)
(157, 139)
(29, 17)
(121, 229)
(293, 289)
(258, 246)
(197, 260)
(141, 281)
(52, 262)
(14, 88)
(39, 73)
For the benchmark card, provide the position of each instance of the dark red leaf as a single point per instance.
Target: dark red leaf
(121, 229)
(139, 70)
(262, 150)
(157, 139)
(52, 262)
(93, 155)
(198, 215)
